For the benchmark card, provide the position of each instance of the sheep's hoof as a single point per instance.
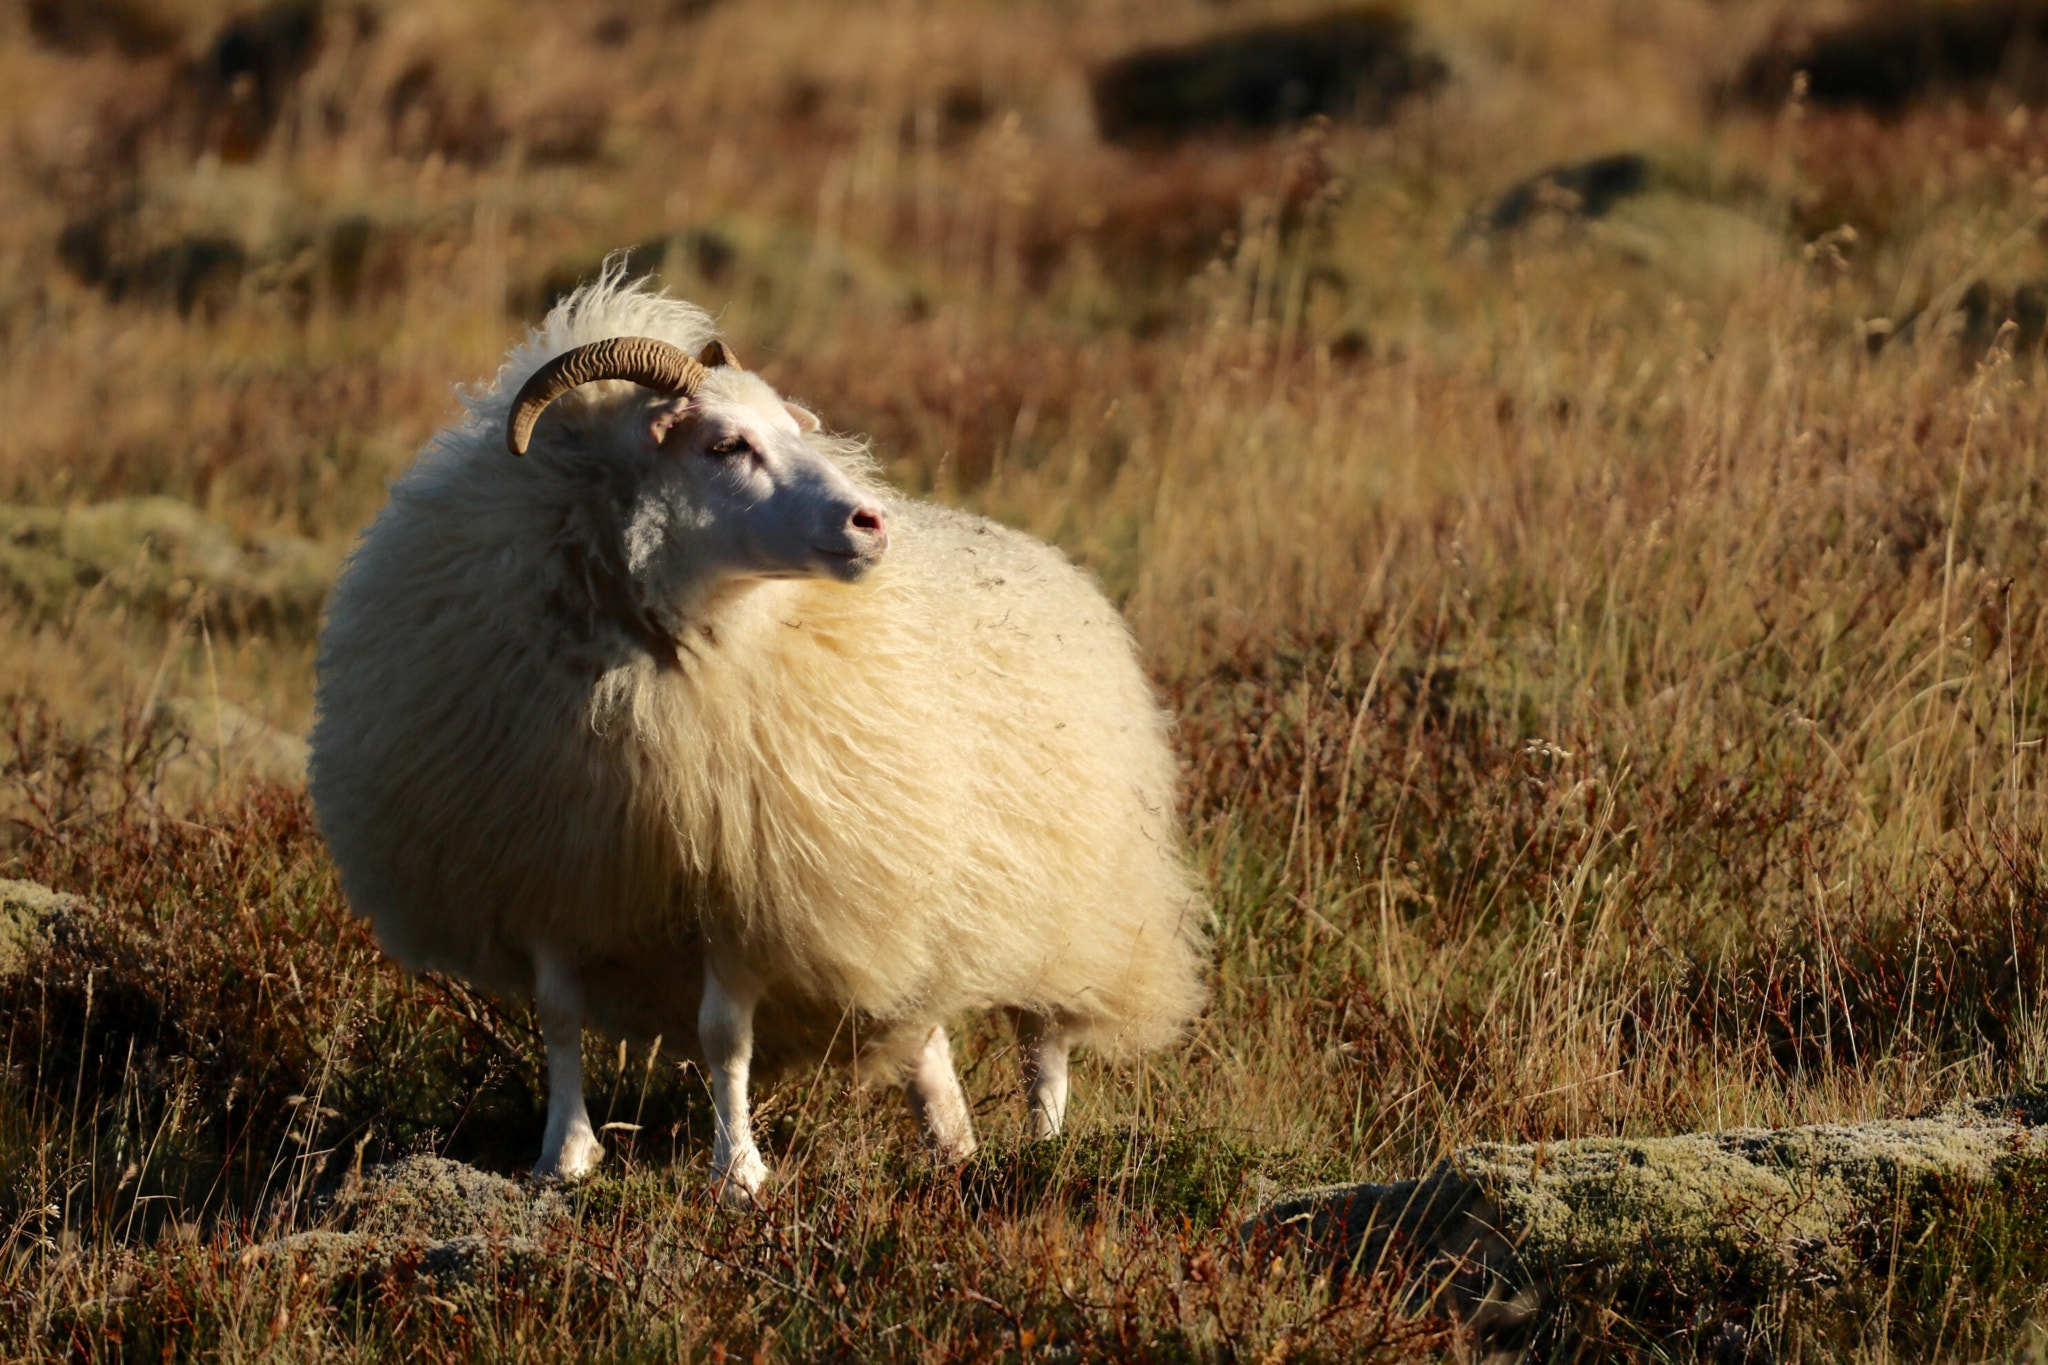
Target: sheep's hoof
(577, 1157)
(956, 1153)
(741, 1181)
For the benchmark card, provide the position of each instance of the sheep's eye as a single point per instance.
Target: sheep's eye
(731, 445)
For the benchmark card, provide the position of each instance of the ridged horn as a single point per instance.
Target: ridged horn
(652, 364)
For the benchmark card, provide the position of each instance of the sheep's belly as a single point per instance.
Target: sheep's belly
(654, 994)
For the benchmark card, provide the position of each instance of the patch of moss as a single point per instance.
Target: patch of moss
(157, 554)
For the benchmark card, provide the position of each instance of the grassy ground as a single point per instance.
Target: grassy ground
(1610, 681)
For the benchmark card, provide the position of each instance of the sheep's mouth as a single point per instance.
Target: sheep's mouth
(848, 565)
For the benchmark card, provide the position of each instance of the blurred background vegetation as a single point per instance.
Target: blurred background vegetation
(1575, 471)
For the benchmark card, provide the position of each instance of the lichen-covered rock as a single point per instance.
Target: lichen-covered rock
(432, 1198)
(424, 1216)
(28, 913)
(1498, 1232)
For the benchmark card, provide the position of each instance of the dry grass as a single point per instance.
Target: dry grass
(1610, 684)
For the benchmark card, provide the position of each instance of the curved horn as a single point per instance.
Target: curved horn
(653, 364)
(717, 354)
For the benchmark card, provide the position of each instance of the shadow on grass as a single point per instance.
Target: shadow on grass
(1199, 1178)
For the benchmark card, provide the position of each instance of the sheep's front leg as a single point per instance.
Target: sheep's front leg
(1045, 1043)
(570, 1150)
(725, 1030)
(935, 1096)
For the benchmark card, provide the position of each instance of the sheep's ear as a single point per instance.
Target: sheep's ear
(664, 418)
(806, 420)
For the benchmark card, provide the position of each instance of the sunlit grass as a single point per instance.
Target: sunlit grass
(1608, 682)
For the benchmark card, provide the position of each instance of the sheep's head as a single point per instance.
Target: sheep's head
(732, 490)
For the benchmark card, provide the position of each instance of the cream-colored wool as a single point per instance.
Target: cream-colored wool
(946, 787)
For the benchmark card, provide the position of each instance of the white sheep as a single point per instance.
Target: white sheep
(685, 725)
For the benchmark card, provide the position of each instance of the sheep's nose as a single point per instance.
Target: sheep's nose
(868, 523)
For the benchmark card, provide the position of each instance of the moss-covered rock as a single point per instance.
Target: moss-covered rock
(28, 911)
(428, 1217)
(1507, 1236)
(426, 1197)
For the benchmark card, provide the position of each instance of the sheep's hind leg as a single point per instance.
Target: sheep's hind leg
(725, 1031)
(933, 1088)
(1045, 1042)
(570, 1150)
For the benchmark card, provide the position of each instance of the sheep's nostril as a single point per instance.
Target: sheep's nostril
(868, 519)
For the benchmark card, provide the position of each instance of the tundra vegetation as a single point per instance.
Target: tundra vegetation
(1606, 631)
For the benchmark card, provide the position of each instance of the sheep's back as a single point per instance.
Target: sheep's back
(968, 793)
(1082, 771)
